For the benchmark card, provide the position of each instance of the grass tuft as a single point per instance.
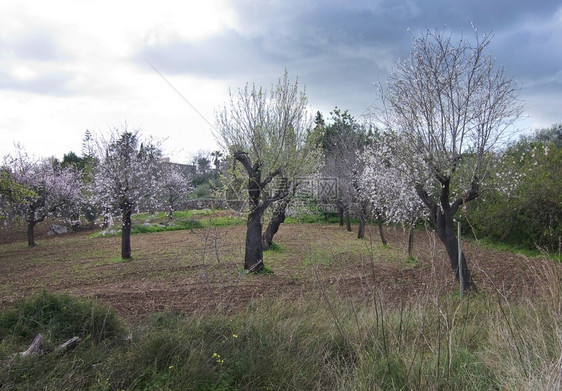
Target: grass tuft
(275, 247)
(62, 317)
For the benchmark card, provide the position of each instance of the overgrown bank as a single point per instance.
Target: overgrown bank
(323, 342)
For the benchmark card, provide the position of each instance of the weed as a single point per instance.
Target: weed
(411, 261)
(266, 270)
(275, 247)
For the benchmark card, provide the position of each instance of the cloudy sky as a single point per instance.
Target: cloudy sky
(68, 66)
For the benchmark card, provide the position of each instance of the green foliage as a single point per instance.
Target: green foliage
(524, 208)
(411, 261)
(203, 190)
(71, 159)
(175, 226)
(12, 190)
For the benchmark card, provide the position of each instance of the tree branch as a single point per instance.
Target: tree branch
(270, 177)
(426, 199)
(470, 195)
(243, 158)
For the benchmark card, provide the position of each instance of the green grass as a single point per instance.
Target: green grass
(143, 223)
(513, 248)
(316, 218)
(275, 248)
(411, 261)
(61, 317)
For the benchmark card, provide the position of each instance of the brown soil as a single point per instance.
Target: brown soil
(201, 271)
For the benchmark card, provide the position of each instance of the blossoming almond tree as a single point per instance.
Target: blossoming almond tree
(386, 182)
(45, 190)
(450, 105)
(266, 132)
(175, 186)
(127, 174)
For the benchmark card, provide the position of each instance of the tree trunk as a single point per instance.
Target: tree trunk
(340, 212)
(411, 240)
(446, 233)
(36, 347)
(126, 232)
(361, 229)
(253, 259)
(34, 217)
(442, 217)
(381, 230)
(31, 233)
(347, 220)
(106, 219)
(276, 220)
(68, 345)
(362, 219)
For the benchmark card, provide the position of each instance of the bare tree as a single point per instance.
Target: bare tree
(450, 105)
(266, 132)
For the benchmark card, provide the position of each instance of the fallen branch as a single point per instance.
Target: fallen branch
(70, 344)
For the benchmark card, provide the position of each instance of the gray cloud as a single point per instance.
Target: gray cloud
(34, 49)
(340, 48)
(221, 56)
(51, 83)
(35, 45)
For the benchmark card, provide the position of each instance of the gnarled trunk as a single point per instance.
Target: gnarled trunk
(347, 220)
(340, 212)
(34, 217)
(442, 216)
(446, 232)
(411, 241)
(361, 229)
(31, 220)
(171, 208)
(253, 259)
(276, 220)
